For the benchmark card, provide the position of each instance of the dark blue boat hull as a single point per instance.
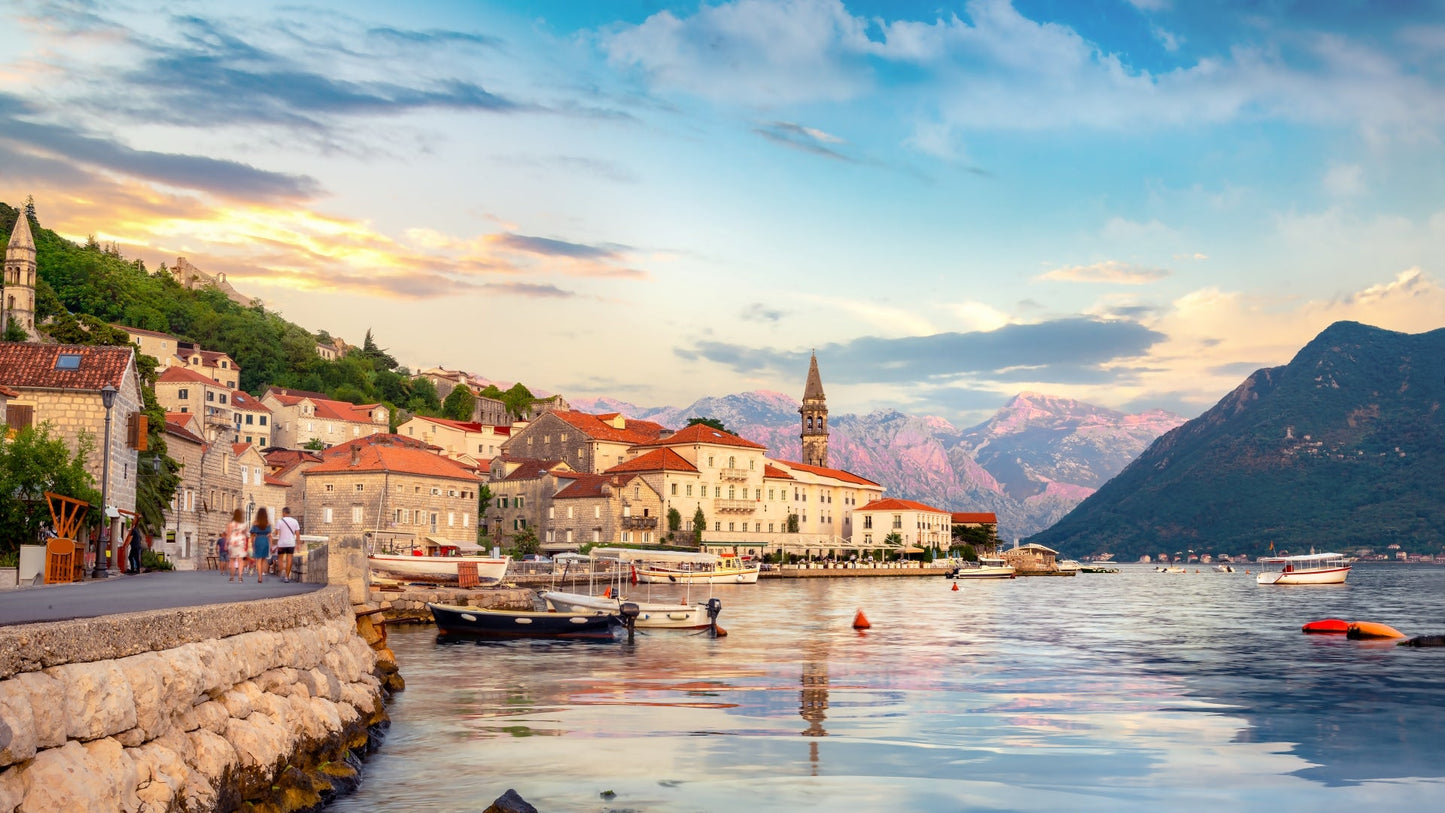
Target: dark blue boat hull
(473, 622)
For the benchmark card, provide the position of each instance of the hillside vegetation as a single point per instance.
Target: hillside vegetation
(1341, 449)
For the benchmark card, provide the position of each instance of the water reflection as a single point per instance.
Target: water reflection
(1130, 691)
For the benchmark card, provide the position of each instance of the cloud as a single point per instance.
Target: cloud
(1074, 350)
(1194, 256)
(1109, 271)
(758, 312)
(1125, 230)
(1344, 180)
(802, 138)
(230, 179)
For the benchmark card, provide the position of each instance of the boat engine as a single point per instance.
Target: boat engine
(714, 607)
(629, 612)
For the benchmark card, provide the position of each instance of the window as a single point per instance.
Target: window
(770, 527)
(245, 475)
(564, 437)
(223, 398)
(183, 394)
(210, 396)
(596, 535)
(717, 492)
(360, 487)
(451, 492)
(356, 515)
(569, 515)
(551, 512)
(730, 526)
(709, 461)
(504, 501)
(451, 519)
(248, 419)
(597, 512)
(67, 361)
(770, 494)
(519, 502)
(897, 521)
(466, 520)
(868, 521)
(330, 487)
(732, 462)
(326, 515)
(717, 526)
(436, 491)
(689, 489)
(674, 489)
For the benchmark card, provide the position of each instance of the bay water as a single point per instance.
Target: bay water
(1132, 691)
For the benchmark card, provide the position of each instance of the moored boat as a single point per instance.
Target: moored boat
(1069, 566)
(480, 623)
(665, 567)
(651, 614)
(984, 568)
(1310, 568)
(440, 569)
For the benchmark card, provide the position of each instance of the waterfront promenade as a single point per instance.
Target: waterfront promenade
(128, 594)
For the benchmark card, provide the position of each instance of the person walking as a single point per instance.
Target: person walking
(287, 532)
(261, 543)
(236, 543)
(137, 539)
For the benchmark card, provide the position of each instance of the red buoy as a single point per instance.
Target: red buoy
(1326, 626)
(955, 587)
(860, 621)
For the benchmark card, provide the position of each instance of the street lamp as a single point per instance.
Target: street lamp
(107, 398)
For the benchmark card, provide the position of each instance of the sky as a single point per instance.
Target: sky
(1134, 203)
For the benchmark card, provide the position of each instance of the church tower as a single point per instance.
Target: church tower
(18, 302)
(815, 418)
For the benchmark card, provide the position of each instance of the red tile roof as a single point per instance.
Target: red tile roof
(297, 394)
(25, 365)
(142, 331)
(184, 375)
(589, 486)
(8, 393)
(964, 518)
(530, 468)
(773, 472)
(181, 431)
(239, 449)
(276, 481)
(894, 504)
(837, 474)
(247, 402)
(379, 438)
(594, 427)
(465, 426)
(702, 433)
(394, 459)
(655, 460)
(326, 409)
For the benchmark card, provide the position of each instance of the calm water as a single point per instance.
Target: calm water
(1139, 690)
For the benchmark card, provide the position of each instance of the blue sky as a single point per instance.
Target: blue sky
(1130, 202)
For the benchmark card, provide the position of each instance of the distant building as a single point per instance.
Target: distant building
(17, 286)
(192, 278)
(215, 365)
(465, 441)
(918, 526)
(588, 443)
(814, 412)
(187, 391)
(300, 417)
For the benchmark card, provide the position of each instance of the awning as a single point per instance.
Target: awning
(456, 543)
(633, 555)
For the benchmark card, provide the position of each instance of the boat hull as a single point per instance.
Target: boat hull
(745, 575)
(652, 615)
(986, 572)
(1335, 575)
(440, 569)
(474, 622)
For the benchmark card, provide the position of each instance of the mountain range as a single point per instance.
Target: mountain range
(1030, 463)
(1339, 450)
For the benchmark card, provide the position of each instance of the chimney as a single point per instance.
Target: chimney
(355, 456)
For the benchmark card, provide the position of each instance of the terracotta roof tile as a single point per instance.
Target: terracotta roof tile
(837, 474)
(395, 459)
(589, 486)
(637, 432)
(246, 402)
(773, 472)
(142, 331)
(9, 393)
(530, 468)
(382, 438)
(894, 504)
(276, 481)
(655, 460)
(184, 375)
(239, 449)
(26, 365)
(702, 433)
(965, 518)
(181, 431)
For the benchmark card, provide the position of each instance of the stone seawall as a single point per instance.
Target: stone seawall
(264, 704)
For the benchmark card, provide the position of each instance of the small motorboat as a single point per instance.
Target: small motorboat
(476, 622)
(651, 614)
(985, 568)
(1310, 568)
(1224, 568)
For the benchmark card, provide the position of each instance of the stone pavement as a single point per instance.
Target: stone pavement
(128, 594)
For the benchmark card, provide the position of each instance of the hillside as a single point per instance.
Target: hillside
(1030, 463)
(1340, 449)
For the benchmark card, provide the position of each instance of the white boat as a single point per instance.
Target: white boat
(684, 567)
(651, 615)
(985, 568)
(1224, 568)
(1310, 568)
(1172, 569)
(1069, 565)
(405, 568)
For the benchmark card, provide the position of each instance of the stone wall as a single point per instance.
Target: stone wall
(265, 704)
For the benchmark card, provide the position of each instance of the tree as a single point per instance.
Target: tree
(484, 501)
(518, 400)
(792, 524)
(14, 332)
(674, 522)
(895, 541)
(380, 359)
(314, 445)
(32, 463)
(699, 521)
(459, 404)
(713, 422)
(525, 542)
(424, 397)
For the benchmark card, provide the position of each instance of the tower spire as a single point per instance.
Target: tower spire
(814, 412)
(18, 303)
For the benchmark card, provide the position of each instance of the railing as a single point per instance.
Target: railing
(639, 523)
(734, 506)
(732, 474)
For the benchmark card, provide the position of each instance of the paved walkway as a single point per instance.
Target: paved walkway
(128, 594)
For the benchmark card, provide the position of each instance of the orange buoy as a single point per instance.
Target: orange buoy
(860, 621)
(1326, 626)
(1369, 629)
(721, 633)
(955, 587)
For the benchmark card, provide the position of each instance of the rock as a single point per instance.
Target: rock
(152, 711)
(236, 702)
(97, 699)
(61, 779)
(49, 716)
(510, 802)
(12, 791)
(17, 738)
(162, 774)
(109, 760)
(212, 716)
(131, 737)
(213, 755)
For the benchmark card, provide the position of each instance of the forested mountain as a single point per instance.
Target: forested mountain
(1340, 449)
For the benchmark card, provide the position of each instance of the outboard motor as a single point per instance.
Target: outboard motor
(714, 607)
(629, 612)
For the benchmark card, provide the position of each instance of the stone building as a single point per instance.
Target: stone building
(253, 420)
(17, 286)
(917, 525)
(259, 489)
(602, 508)
(464, 441)
(5, 395)
(288, 467)
(213, 364)
(160, 346)
(814, 412)
(588, 443)
(522, 490)
(385, 486)
(187, 391)
(192, 278)
(60, 385)
(209, 491)
(300, 417)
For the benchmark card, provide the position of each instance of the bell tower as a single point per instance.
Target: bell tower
(815, 418)
(18, 304)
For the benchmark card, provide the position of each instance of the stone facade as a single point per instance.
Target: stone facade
(179, 389)
(471, 443)
(588, 443)
(17, 286)
(403, 496)
(223, 710)
(160, 346)
(814, 418)
(604, 509)
(298, 421)
(210, 490)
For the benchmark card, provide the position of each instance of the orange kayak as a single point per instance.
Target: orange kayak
(1369, 629)
(1326, 626)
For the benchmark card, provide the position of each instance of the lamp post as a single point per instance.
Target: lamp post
(107, 398)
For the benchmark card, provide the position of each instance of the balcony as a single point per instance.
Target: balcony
(734, 506)
(639, 523)
(736, 475)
